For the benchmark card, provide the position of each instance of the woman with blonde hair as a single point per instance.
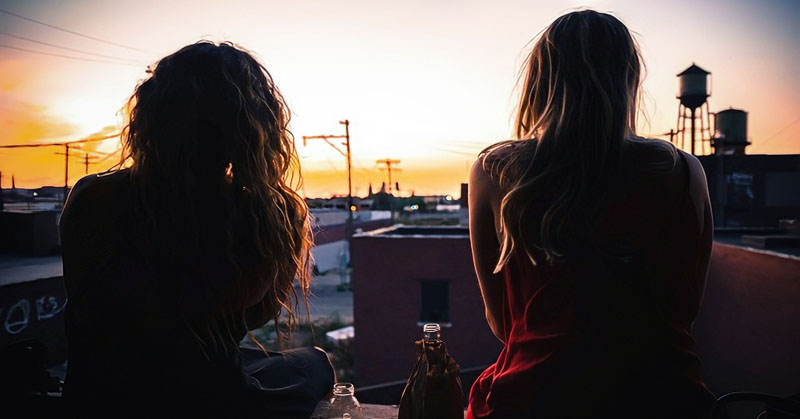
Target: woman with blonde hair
(591, 245)
(169, 263)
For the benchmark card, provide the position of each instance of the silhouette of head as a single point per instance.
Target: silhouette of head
(212, 160)
(585, 65)
(577, 106)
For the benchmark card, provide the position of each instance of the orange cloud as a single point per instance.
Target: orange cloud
(427, 178)
(24, 123)
(17, 75)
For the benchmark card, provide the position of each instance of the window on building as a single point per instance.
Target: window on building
(435, 307)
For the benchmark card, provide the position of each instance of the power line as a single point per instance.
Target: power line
(66, 48)
(66, 154)
(118, 151)
(331, 165)
(462, 153)
(52, 54)
(367, 171)
(467, 143)
(61, 144)
(72, 32)
(780, 131)
(347, 155)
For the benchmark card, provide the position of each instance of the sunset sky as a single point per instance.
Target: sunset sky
(427, 82)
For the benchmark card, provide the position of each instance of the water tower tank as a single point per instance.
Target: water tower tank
(693, 86)
(731, 126)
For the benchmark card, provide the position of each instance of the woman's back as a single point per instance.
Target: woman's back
(590, 245)
(607, 328)
(128, 339)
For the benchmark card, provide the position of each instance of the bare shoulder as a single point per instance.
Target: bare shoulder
(652, 155)
(482, 186)
(698, 185)
(696, 171)
(663, 158)
(484, 175)
(495, 156)
(97, 186)
(503, 150)
(479, 176)
(90, 196)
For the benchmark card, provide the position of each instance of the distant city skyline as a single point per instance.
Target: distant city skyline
(427, 83)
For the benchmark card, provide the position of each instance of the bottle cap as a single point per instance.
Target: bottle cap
(431, 328)
(343, 389)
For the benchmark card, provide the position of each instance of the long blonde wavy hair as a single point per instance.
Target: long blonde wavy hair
(578, 104)
(215, 171)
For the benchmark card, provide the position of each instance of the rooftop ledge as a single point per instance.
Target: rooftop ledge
(399, 231)
(377, 411)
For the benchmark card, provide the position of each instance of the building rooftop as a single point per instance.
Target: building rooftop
(764, 240)
(428, 232)
(17, 269)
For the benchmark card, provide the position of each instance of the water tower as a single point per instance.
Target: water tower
(730, 132)
(693, 94)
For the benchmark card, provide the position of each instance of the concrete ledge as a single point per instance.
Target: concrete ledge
(377, 411)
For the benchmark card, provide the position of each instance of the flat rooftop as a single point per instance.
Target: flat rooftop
(401, 231)
(769, 240)
(15, 269)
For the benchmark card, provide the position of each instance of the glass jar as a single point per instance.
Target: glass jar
(344, 404)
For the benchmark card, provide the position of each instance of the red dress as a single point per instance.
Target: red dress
(606, 330)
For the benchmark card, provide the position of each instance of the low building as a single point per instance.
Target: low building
(330, 234)
(29, 232)
(406, 276)
(746, 331)
(340, 203)
(753, 190)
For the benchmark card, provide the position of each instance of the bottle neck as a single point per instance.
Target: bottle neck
(432, 333)
(343, 390)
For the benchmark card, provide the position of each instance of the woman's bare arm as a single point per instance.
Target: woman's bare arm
(484, 204)
(698, 193)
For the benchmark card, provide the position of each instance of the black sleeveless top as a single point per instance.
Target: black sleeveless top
(131, 349)
(128, 344)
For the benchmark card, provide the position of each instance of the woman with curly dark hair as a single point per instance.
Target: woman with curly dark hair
(170, 262)
(591, 245)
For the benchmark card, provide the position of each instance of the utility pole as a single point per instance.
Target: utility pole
(88, 157)
(66, 171)
(346, 154)
(389, 163)
(693, 132)
(86, 161)
(66, 146)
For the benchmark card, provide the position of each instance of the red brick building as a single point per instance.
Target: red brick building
(403, 277)
(746, 333)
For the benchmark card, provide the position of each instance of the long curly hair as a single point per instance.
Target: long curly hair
(215, 170)
(578, 104)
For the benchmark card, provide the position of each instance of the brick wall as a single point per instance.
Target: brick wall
(748, 329)
(386, 304)
(747, 332)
